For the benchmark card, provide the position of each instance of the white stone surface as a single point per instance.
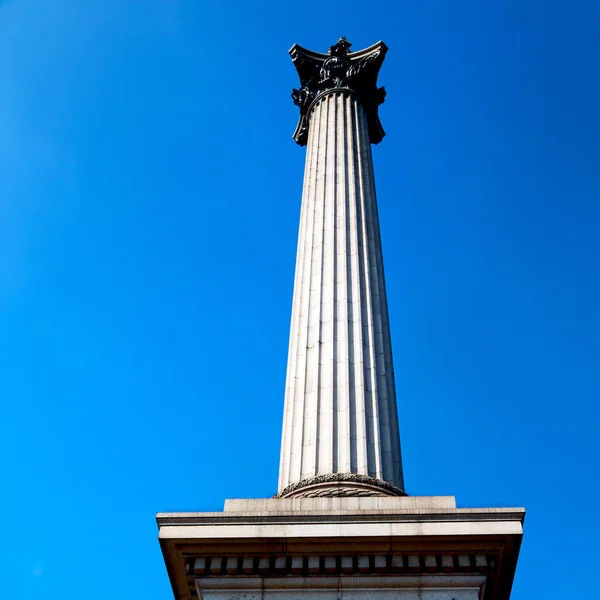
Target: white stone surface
(343, 517)
(409, 528)
(421, 587)
(340, 411)
(334, 505)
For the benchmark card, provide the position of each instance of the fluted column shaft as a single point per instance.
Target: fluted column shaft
(340, 404)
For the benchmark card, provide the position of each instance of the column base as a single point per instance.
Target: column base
(340, 484)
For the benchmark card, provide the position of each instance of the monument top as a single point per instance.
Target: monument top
(339, 71)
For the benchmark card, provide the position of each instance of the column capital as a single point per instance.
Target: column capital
(339, 69)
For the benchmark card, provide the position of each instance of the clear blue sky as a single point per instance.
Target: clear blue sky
(149, 205)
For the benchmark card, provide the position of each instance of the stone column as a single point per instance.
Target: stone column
(340, 426)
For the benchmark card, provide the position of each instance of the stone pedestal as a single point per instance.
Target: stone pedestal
(342, 548)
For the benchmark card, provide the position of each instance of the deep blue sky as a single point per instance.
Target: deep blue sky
(149, 205)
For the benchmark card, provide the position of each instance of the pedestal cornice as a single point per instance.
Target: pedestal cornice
(404, 544)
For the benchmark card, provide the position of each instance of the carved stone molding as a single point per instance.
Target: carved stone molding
(340, 484)
(339, 69)
(282, 564)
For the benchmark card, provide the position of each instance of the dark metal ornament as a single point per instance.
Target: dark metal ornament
(339, 69)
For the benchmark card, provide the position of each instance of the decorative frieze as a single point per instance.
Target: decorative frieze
(279, 565)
